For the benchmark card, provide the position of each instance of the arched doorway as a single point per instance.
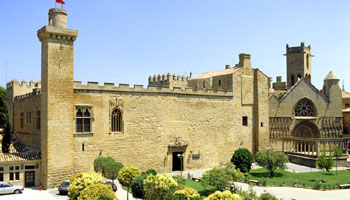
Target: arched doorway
(307, 129)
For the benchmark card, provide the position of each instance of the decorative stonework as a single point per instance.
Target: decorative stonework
(304, 108)
(178, 142)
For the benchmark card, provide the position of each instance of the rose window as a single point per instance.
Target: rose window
(304, 108)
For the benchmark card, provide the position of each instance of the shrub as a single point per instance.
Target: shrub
(111, 168)
(181, 181)
(127, 174)
(242, 159)
(226, 195)
(137, 186)
(271, 160)
(186, 194)
(99, 162)
(80, 181)
(221, 177)
(97, 192)
(267, 196)
(151, 171)
(159, 187)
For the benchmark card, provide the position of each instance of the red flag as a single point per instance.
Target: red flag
(60, 1)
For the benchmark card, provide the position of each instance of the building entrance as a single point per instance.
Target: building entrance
(29, 178)
(178, 161)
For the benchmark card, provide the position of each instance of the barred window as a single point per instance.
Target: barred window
(117, 121)
(83, 120)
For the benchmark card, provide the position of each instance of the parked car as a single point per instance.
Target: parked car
(114, 186)
(7, 188)
(63, 188)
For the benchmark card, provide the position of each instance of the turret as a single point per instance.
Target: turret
(331, 87)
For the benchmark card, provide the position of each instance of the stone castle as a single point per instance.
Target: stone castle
(177, 122)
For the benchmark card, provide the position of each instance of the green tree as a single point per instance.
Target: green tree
(110, 169)
(221, 177)
(337, 153)
(324, 162)
(99, 162)
(271, 160)
(242, 159)
(4, 121)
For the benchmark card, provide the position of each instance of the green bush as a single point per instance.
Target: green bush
(267, 196)
(97, 192)
(81, 181)
(221, 177)
(159, 187)
(186, 194)
(127, 174)
(151, 171)
(226, 195)
(242, 159)
(181, 181)
(137, 186)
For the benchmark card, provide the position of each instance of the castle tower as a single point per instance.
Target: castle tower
(298, 63)
(56, 99)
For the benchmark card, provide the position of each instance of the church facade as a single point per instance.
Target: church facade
(176, 123)
(304, 120)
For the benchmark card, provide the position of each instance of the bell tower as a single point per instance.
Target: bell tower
(56, 99)
(298, 63)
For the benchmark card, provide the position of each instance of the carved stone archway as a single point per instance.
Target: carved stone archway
(306, 129)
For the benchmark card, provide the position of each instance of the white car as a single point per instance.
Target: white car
(7, 188)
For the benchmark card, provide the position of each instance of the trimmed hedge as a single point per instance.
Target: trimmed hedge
(97, 192)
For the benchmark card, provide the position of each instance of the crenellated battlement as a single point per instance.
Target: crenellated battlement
(168, 80)
(94, 86)
(23, 84)
(36, 92)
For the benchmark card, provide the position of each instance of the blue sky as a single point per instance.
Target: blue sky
(126, 41)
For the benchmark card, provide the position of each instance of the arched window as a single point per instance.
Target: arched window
(117, 121)
(292, 80)
(347, 105)
(83, 120)
(305, 108)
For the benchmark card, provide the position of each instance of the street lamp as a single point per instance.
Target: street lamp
(180, 155)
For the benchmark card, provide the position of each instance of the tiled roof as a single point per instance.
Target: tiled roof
(346, 94)
(215, 73)
(18, 151)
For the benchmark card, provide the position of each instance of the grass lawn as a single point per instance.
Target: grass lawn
(204, 192)
(307, 179)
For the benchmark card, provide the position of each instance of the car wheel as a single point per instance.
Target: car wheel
(17, 192)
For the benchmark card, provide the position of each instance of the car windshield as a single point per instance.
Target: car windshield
(65, 183)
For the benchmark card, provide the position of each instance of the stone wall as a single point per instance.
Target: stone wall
(28, 105)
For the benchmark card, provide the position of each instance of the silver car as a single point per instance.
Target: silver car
(7, 188)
